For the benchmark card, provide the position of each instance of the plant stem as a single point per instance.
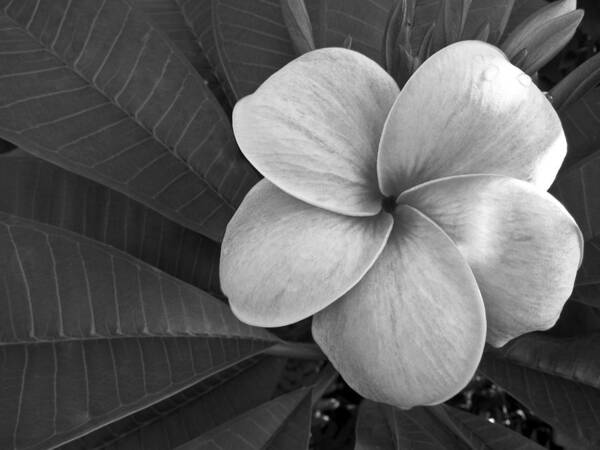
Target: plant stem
(297, 350)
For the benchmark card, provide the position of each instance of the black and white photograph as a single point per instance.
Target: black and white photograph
(299, 224)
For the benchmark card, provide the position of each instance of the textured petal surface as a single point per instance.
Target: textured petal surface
(521, 243)
(468, 110)
(412, 331)
(313, 129)
(283, 260)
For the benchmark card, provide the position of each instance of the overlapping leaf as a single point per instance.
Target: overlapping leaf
(556, 377)
(589, 294)
(363, 20)
(90, 335)
(502, 16)
(253, 42)
(282, 423)
(542, 36)
(199, 18)
(578, 188)
(167, 15)
(581, 122)
(37, 190)
(522, 9)
(196, 410)
(496, 13)
(493, 12)
(95, 87)
(382, 427)
(171, 16)
(578, 318)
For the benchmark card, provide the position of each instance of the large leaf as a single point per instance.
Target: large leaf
(382, 427)
(167, 15)
(198, 15)
(6, 147)
(578, 318)
(90, 335)
(578, 188)
(581, 122)
(502, 16)
(196, 410)
(589, 272)
(556, 377)
(95, 87)
(363, 20)
(282, 423)
(589, 294)
(37, 190)
(178, 19)
(253, 42)
(493, 12)
(521, 11)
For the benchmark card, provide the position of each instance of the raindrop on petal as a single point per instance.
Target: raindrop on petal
(490, 73)
(524, 79)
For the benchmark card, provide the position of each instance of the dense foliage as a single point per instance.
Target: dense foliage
(120, 172)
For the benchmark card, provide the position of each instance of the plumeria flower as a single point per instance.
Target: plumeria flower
(414, 225)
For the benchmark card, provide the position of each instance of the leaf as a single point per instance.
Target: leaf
(521, 11)
(382, 427)
(37, 190)
(6, 146)
(589, 272)
(198, 17)
(556, 377)
(581, 122)
(576, 84)
(91, 335)
(94, 87)
(589, 26)
(295, 17)
(253, 42)
(282, 423)
(166, 15)
(192, 412)
(494, 12)
(363, 20)
(542, 35)
(578, 188)
(577, 317)
(588, 294)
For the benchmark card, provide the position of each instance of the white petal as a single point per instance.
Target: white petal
(283, 260)
(412, 331)
(522, 245)
(468, 110)
(313, 129)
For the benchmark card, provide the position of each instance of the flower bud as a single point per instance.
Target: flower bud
(543, 34)
(576, 84)
(298, 24)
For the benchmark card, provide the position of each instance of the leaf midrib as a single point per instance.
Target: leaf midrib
(182, 59)
(160, 396)
(66, 339)
(524, 365)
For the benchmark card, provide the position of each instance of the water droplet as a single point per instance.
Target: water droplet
(490, 73)
(524, 79)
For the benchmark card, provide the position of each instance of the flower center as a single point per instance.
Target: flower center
(388, 204)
